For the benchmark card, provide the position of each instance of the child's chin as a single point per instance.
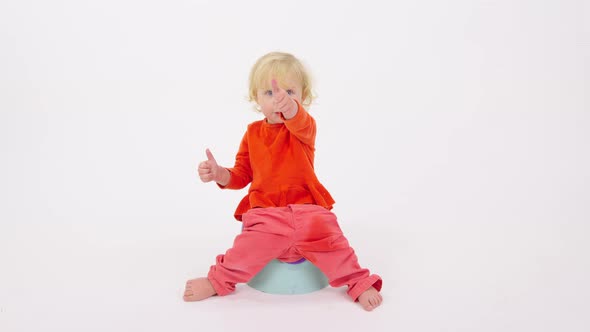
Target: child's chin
(276, 118)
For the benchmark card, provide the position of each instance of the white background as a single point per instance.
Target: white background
(454, 136)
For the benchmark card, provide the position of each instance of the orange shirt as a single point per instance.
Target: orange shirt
(278, 160)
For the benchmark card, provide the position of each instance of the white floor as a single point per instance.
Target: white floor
(439, 275)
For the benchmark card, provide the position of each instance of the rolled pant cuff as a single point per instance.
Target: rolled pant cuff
(219, 289)
(361, 286)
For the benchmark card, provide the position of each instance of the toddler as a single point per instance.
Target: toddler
(286, 213)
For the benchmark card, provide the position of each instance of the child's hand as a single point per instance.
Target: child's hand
(282, 102)
(209, 170)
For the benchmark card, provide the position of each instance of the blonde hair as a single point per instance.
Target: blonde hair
(279, 65)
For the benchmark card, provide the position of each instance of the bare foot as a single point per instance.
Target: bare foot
(370, 299)
(198, 289)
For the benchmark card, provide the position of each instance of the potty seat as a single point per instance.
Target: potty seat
(298, 277)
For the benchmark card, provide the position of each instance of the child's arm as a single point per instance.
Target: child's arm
(297, 120)
(302, 125)
(209, 171)
(236, 177)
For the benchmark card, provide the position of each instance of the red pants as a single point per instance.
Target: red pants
(289, 233)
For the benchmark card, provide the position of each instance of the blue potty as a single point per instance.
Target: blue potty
(289, 278)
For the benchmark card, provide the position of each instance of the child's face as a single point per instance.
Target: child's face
(264, 98)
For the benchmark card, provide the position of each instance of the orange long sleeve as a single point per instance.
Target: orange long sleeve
(277, 159)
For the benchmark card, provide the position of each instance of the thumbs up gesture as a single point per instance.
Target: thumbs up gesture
(282, 102)
(209, 170)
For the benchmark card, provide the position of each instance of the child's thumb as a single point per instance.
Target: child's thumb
(210, 155)
(275, 87)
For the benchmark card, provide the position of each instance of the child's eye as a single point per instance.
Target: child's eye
(290, 92)
(268, 92)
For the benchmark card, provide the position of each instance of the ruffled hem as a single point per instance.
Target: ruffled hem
(321, 196)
